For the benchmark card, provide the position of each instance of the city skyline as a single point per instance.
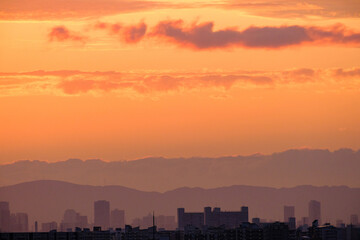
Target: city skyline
(75, 203)
(210, 217)
(179, 119)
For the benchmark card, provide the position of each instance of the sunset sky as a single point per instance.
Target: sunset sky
(126, 79)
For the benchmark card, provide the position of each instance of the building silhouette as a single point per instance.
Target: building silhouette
(102, 214)
(314, 211)
(289, 212)
(73, 219)
(4, 217)
(216, 217)
(19, 222)
(256, 220)
(195, 219)
(117, 218)
(212, 218)
(276, 231)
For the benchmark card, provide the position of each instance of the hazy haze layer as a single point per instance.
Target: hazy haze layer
(284, 169)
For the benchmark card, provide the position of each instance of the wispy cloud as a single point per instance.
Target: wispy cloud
(61, 34)
(75, 9)
(144, 83)
(126, 33)
(80, 9)
(295, 9)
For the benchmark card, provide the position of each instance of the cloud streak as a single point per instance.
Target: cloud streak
(74, 9)
(143, 83)
(126, 33)
(203, 36)
(331, 9)
(61, 34)
(79, 9)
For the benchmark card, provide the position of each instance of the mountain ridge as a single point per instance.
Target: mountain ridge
(46, 200)
(290, 168)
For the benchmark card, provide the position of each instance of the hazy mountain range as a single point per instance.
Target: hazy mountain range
(284, 169)
(47, 200)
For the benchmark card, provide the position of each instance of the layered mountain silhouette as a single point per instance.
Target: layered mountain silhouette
(47, 200)
(284, 169)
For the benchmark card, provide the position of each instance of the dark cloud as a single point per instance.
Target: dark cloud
(203, 36)
(61, 34)
(126, 33)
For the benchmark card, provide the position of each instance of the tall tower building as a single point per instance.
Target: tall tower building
(4, 217)
(314, 211)
(117, 218)
(289, 212)
(102, 214)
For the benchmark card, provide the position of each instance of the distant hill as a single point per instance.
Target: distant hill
(284, 169)
(47, 200)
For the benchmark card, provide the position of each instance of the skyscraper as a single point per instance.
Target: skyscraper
(117, 218)
(4, 217)
(314, 211)
(289, 212)
(102, 214)
(19, 222)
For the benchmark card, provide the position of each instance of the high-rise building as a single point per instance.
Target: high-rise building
(117, 218)
(19, 222)
(289, 212)
(72, 219)
(292, 223)
(4, 217)
(314, 211)
(102, 214)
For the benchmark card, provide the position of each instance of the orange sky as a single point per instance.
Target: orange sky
(123, 79)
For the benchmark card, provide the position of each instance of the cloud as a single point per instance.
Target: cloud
(133, 34)
(80, 9)
(345, 73)
(74, 9)
(126, 33)
(203, 36)
(61, 34)
(144, 83)
(300, 75)
(295, 9)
